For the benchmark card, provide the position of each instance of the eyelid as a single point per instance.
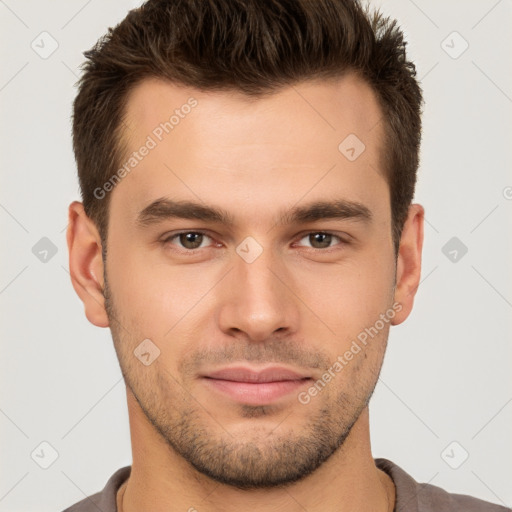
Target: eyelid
(342, 241)
(171, 236)
(167, 238)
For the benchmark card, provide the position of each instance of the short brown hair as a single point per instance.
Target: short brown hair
(252, 46)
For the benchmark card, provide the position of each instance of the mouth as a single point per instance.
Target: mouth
(255, 387)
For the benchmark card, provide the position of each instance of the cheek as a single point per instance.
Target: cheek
(153, 296)
(349, 295)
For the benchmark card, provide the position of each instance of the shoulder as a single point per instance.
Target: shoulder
(104, 500)
(412, 496)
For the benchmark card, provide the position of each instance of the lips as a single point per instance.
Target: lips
(255, 386)
(241, 374)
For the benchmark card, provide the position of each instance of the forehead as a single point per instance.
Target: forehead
(312, 138)
(341, 104)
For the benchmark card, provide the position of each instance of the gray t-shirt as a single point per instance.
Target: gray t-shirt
(411, 496)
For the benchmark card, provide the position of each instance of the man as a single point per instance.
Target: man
(247, 233)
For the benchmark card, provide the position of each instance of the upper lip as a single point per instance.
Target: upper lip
(246, 374)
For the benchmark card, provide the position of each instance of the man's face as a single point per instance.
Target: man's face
(262, 291)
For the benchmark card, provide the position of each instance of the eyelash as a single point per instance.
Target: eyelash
(168, 240)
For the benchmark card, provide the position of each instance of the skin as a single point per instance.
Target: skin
(299, 303)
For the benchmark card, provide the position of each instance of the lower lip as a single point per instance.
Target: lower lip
(256, 393)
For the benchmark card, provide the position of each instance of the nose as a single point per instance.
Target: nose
(258, 299)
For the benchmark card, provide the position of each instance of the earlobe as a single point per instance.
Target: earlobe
(408, 272)
(86, 263)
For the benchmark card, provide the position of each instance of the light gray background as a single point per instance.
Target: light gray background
(447, 373)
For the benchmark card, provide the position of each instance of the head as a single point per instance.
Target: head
(294, 128)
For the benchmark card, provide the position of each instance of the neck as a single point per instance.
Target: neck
(348, 480)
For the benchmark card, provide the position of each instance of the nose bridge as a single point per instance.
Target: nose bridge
(257, 301)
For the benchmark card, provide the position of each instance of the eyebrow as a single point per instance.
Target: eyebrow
(165, 209)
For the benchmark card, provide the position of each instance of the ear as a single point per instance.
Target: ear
(408, 271)
(86, 263)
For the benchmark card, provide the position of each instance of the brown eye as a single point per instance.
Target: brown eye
(189, 240)
(321, 240)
